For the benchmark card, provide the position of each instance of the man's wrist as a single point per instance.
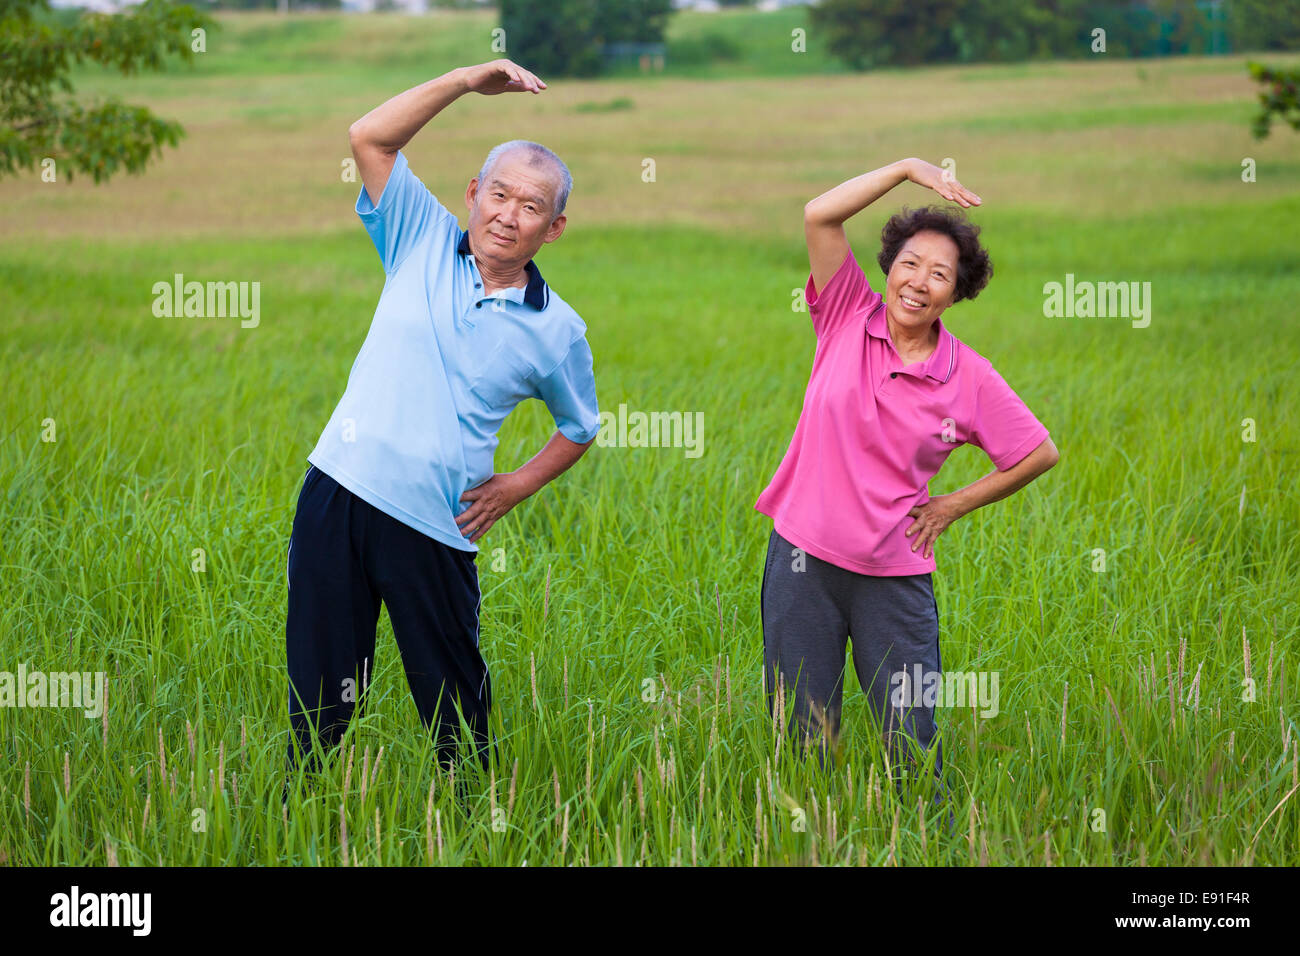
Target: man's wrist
(527, 482)
(460, 80)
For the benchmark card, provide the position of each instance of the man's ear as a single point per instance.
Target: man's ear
(470, 192)
(556, 229)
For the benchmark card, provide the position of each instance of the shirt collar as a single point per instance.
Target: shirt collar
(939, 366)
(537, 294)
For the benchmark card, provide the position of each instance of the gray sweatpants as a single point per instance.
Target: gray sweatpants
(810, 608)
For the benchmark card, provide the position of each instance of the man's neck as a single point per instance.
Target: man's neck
(496, 279)
(492, 284)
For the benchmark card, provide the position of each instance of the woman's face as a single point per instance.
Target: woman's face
(922, 281)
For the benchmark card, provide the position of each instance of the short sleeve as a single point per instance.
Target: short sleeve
(405, 212)
(846, 296)
(1004, 426)
(569, 392)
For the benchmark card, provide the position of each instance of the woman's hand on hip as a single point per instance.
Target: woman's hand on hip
(932, 519)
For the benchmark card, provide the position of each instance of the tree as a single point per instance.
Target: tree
(1280, 99)
(39, 118)
(866, 33)
(567, 37)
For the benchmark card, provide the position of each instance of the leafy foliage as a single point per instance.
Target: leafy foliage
(1280, 99)
(38, 114)
(867, 33)
(567, 37)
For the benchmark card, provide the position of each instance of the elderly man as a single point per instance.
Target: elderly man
(400, 485)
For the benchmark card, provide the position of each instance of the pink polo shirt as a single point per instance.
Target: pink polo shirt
(873, 432)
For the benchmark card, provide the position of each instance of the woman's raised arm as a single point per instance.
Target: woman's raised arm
(824, 217)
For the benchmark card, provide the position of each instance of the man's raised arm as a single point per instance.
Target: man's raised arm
(378, 135)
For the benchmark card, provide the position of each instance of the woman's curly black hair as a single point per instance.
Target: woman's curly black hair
(974, 268)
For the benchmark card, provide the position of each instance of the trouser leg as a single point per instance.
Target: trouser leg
(333, 608)
(432, 594)
(895, 628)
(804, 638)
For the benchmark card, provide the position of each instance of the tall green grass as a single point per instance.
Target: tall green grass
(623, 631)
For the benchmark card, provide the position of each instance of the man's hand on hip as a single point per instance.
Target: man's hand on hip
(489, 501)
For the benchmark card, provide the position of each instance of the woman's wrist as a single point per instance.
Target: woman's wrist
(963, 502)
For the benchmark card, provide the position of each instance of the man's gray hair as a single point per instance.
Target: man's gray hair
(538, 155)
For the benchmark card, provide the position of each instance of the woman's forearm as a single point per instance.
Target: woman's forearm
(999, 484)
(835, 206)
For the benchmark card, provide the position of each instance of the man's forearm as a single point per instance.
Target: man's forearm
(391, 125)
(553, 460)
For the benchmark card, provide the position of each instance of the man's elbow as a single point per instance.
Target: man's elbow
(1050, 455)
(362, 139)
(356, 134)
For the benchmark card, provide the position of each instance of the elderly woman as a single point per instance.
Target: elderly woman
(891, 394)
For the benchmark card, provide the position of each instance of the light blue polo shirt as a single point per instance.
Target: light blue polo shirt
(443, 365)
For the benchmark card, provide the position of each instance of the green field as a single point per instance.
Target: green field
(643, 565)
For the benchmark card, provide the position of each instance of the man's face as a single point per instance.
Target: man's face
(922, 282)
(512, 214)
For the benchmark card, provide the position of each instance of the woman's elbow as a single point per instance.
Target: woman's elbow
(812, 214)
